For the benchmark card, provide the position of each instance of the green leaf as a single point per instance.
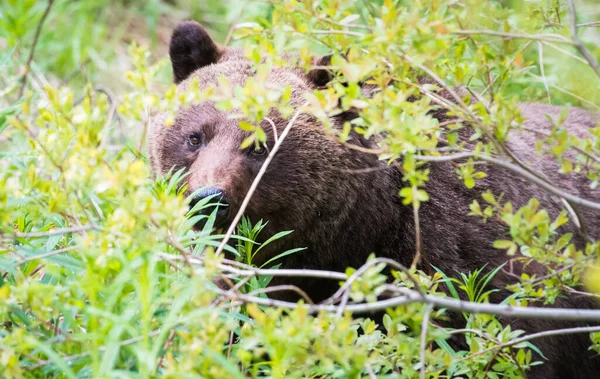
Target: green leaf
(260, 135)
(503, 244)
(247, 142)
(274, 238)
(488, 196)
(285, 253)
(246, 126)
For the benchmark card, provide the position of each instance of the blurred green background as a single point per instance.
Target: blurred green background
(86, 41)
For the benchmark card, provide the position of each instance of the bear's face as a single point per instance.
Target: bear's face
(306, 184)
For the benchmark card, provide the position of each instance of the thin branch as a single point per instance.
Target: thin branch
(555, 332)
(563, 51)
(249, 271)
(536, 37)
(519, 171)
(370, 371)
(589, 155)
(593, 24)
(441, 82)
(551, 275)
(365, 170)
(233, 25)
(544, 79)
(273, 127)
(289, 273)
(284, 287)
(343, 32)
(45, 255)
(593, 63)
(340, 308)
(165, 347)
(408, 296)
(405, 296)
(257, 180)
(587, 294)
(112, 112)
(331, 22)
(390, 262)
(530, 337)
(424, 328)
(184, 253)
(417, 258)
(55, 232)
(301, 273)
(38, 30)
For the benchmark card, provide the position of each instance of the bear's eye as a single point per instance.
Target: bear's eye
(258, 150)
(194, 140)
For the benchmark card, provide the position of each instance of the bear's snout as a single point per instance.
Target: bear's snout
(206, 201)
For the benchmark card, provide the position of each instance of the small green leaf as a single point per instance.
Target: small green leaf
(246, 126)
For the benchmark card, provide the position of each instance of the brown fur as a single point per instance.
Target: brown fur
(342, 217)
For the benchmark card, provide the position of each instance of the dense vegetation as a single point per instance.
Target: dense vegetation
(102, 273)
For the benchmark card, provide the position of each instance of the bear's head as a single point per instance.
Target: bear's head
(311, 186)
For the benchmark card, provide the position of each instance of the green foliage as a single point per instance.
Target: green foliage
(103, 273)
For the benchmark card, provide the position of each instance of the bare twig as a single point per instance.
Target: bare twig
(283, 287)
(408, 296)
(165, 347)
(404, 296)
(536, 37)
(424, 328)
(112, 111)
(390, 262)
(230, 344)
(334, 31)
(249, 271)
(273, 127)
(340, 309)
(289, 273)
(370, 371)
(593, 24)
(257, 180)
(36, 37)
(55, 232)
(589, 155)
(517, 170)
(441, 82)
(563, 51)
(582, 293)
(593, 63)
(234, 23)
(417, 258)
(551, 275)
(184, 253)
(560, 89)
(45, 255)
(544, 79)
(530, 337)
(555, 332)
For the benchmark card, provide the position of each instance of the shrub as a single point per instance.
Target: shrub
(104, 275)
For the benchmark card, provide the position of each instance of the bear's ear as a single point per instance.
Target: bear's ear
(191, 48)
(320, 76)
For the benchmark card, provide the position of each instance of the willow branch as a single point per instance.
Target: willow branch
(38, 30)
(593, 63)
(519, 171)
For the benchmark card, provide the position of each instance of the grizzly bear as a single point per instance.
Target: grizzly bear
(340, 214)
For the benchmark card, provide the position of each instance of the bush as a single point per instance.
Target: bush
(103, 273)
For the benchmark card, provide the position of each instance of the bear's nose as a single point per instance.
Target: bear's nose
(206, 201)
